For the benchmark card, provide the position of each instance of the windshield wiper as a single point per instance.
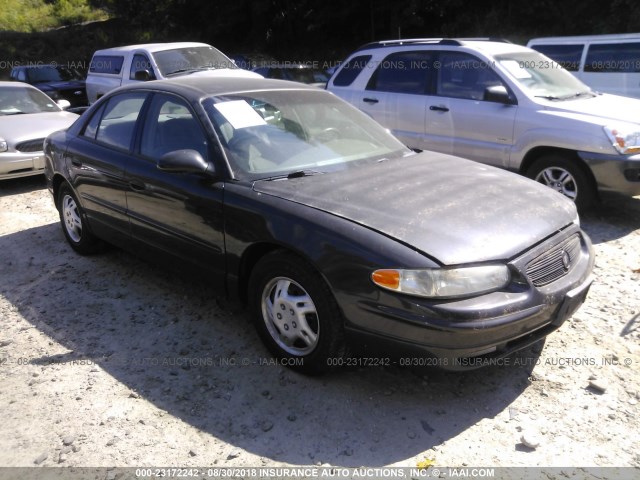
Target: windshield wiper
(578, 95)
(549, 97)
(296, 174)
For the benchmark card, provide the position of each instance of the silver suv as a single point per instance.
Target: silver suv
(500, 104)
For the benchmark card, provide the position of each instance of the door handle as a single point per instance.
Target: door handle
(370, 100)
(76, 163)
(137, 186)
(436, 108)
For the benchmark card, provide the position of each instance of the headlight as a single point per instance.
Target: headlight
(625, 138)
(443, 283)
(3, 145)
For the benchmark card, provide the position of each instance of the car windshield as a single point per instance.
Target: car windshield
(277, 133)
(542, 77)
(18, 100)
(190, 59)
(49, 73)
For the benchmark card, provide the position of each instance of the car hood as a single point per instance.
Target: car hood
(454, 210)
(19, 128)
(605, 108)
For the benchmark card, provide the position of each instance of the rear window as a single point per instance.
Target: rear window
(350, 70)
(568, 56)
(106, 64)
(613, 58)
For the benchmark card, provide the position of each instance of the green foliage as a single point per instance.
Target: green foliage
(41, 15)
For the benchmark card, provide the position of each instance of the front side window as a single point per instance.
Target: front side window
(139, 63)
(118, 122)
(278, 132)
(402, 72)
(106, 64)
(170, 126)
(461, 75)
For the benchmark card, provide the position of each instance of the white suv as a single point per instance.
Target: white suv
(500, 104)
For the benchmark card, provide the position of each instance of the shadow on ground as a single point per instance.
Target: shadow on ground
(197, 357)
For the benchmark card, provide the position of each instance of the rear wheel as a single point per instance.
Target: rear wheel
(74, 224)
(565, 176)
(295, 313)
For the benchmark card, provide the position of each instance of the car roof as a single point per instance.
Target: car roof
(151, 47)
(16, 85)
(204, 87)
(488, 46)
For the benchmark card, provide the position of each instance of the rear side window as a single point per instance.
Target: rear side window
(613, 58)
(351, 70)
(118, 121)
(568, 56)
(402, 72)
(106, 64)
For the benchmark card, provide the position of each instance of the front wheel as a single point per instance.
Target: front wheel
(565, 176)
(295, 313)
(74, 224)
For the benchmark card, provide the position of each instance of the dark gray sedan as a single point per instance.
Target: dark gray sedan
(348, 247)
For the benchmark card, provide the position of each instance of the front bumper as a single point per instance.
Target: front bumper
(614, 173)
(459, 332)
(16, 165)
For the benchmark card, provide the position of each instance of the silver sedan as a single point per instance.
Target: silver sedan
(27, 116)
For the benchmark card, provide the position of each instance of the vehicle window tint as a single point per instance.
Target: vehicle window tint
(464, 76)
(106, 64)
(138, 63)
(402, 72)
(91, 128)
(119, 120)
(170, 126)
(350, 70)
(613, 57)
(568, 56)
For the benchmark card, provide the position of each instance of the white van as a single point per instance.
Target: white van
(607, 63)
(113, 67)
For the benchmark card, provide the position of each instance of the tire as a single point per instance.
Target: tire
(566, 176)
(295, 313)
(74, 223)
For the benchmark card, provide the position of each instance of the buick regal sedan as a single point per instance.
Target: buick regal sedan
(338, 237)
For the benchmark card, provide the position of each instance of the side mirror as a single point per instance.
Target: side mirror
(63, 104)
(142, 75)
(498, 94)
(184, 161)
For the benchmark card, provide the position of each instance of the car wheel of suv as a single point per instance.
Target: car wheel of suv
(295, 313)
(74, 224)
(565, 176)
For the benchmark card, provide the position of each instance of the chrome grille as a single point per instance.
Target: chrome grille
(30, 146)
(554, 263)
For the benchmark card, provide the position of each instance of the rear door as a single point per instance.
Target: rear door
(395, 95)
(179, 214)
(96, 161)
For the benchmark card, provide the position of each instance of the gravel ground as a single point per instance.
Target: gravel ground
(109, 361)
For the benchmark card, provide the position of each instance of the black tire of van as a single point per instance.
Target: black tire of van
(565, 175)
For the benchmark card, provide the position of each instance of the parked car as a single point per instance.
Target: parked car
(113, 67)
(500, 104)
(27, 116)
(334, 232)
(607, 63)
(296, 72)
(58, 81)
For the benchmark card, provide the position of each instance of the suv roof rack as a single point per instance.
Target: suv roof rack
(458, 42)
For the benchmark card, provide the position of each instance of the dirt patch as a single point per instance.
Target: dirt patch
(109, 361)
